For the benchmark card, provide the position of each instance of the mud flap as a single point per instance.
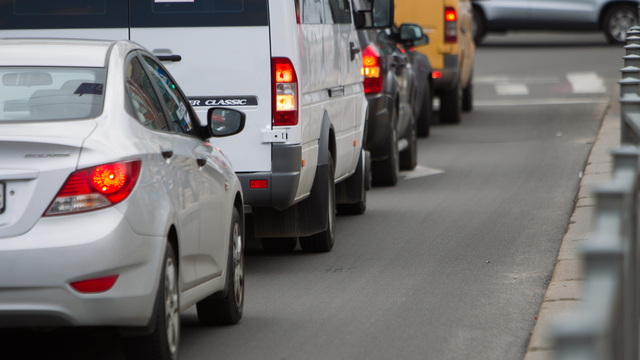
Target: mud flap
(353, 189)
(305, 218)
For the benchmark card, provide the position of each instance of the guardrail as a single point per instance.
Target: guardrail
(606, 324)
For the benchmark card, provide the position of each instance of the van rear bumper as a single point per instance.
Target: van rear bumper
(282, 181)
(450, 74)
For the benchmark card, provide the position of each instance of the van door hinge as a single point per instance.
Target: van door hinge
(274, 136)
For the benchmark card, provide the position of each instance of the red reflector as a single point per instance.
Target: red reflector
(95, 285)
(436, 74)
(259, 184)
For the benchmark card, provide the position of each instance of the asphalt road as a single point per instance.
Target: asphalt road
(452, 265)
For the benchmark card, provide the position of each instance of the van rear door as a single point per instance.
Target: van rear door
(219, 53)
(95, 19)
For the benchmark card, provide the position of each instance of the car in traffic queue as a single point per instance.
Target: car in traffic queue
(116, 207)
(613, 17)
(451, 50)
(392, 87)
(299, 157)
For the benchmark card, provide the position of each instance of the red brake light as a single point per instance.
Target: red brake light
(95, 285)
(285, 92)
(450, 14)
(371, 70)
(450, 25)
(96, 187)
(436, 74)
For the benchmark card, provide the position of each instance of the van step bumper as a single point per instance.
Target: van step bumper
(282, 181)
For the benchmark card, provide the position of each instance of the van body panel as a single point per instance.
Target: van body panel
(206, 72)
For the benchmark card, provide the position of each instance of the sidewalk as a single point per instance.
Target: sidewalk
(565, 290)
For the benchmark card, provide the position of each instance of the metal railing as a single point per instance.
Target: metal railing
(605, 325)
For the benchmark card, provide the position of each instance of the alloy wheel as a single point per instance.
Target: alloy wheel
(172, 312)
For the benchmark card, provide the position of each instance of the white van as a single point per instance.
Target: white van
(292, 66)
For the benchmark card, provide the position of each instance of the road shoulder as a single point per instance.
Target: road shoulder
(564, 293)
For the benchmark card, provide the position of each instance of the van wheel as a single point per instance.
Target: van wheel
(467, 96)
(617, 22)
(163, 342)
(425, 113)
(279, 245)
(386, 172)
(324, 241)
(451, 105)
(409, 157)
(227, 310)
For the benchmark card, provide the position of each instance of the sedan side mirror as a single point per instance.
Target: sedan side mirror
(225, 122)
(380, 16)
(412, 35)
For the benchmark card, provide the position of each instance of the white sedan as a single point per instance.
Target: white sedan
(115, 210)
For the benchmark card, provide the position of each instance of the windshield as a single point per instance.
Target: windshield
(50, 93)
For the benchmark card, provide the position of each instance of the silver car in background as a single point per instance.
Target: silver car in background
(612, 17)
(114, 208)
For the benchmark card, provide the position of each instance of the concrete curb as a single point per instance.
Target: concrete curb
(565, 289)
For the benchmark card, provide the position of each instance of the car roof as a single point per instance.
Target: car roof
(54, 52)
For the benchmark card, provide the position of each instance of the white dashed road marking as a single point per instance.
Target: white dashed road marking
(511, 89)
(420, 172)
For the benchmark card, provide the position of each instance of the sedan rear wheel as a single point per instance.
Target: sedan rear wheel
(162, 343)
(617, 23)
(227, 309)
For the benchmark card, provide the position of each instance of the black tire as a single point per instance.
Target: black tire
(479, 30)
(467, 96)
(409, 156)
(386, 172)
(162, 343)
(451, 105)
(279, 245)
(424, 120)
(617, 21)
(227, 310)
(324, 241)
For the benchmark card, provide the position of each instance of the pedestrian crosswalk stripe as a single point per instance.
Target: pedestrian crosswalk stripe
(586, 83)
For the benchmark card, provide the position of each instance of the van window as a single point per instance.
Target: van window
(199, 13)
(63, 14)
(312, 11)
(341, 11)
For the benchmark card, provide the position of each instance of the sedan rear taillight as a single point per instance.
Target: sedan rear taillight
(450, 25)
(95, 188)
(371, 70)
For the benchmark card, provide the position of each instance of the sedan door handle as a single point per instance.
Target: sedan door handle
(354, 51)
(201, 162)
(169, 57)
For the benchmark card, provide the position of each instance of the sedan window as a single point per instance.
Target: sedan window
(143, 99)
(51, 93)
(178, 107)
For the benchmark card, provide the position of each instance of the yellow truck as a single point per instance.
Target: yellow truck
(449, 25)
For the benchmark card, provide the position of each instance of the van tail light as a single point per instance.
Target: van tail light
(371, 70)
(285, 92)
(450, 25)
(95, 188)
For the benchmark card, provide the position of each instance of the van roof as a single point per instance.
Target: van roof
(54, 52)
